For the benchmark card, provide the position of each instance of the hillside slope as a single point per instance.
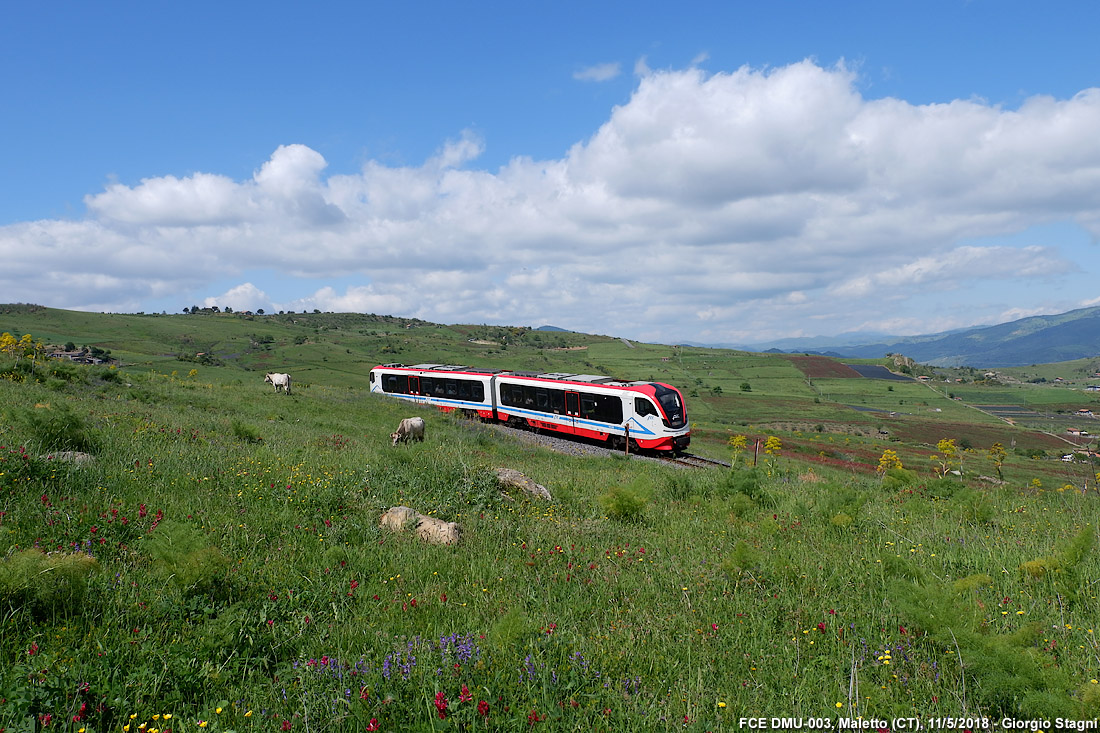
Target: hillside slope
(1034, 340)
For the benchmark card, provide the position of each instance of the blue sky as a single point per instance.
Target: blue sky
(727, 172)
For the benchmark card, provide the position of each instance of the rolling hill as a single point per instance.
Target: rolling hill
(1034, 340)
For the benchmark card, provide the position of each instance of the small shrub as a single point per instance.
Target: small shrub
(743, 561)
(751, 483)
(56, 428)
(66, 371)
(181, 553)
(974, 506)
(943, 488)
(623, 504)
(677, 487)
(741, 505)
(247, 433)
(897, 478)
(46, 583)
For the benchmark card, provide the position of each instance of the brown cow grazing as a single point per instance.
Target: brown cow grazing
(411, 428)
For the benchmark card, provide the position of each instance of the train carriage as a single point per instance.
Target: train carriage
(651, 415)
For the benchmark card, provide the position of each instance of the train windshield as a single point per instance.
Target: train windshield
(673, 406)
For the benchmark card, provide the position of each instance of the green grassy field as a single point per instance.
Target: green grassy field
(219, 564)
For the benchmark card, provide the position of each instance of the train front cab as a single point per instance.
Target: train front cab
(660, 411)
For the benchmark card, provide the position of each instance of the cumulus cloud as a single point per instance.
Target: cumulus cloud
(730, 206)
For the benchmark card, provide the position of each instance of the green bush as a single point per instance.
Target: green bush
(751, 483)
(41, 583)
(244, 431)
(623, 504)
(182, 555)
(56, 428)
(899, 478)
(943, 488)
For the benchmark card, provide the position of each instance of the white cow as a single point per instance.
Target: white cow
(411, 428)
(279, 381)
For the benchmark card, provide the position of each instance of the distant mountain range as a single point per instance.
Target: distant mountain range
(1034, 340)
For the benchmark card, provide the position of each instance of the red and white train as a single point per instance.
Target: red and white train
(651, 415)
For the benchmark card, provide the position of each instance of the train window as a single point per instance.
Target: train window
(372, 377)
(605, 408)
(478, 391)
(463, 389)
(557, 401)
(396, 383)
(542, 400)
(452, 388)
(511, 395)
(675, 415)
(644, 407)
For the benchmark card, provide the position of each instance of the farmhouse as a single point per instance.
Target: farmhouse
(79, 356)
(1084, 412)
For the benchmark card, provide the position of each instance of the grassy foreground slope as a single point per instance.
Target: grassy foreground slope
(220, 560)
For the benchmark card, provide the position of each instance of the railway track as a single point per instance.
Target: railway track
(687, 459)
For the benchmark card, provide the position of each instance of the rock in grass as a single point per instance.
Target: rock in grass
(509, 477)
(430, 529)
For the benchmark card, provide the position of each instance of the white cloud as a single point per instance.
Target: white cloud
(599, 72)
(245, 296)
(754, 202)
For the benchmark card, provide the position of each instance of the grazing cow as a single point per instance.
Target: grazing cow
(411, 428)
(279, 381)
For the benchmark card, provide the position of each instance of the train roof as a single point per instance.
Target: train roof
(554, 376)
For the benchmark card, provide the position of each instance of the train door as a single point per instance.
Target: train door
(573, 408)
(414, 385)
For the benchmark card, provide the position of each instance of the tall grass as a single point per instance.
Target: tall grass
(222, 564)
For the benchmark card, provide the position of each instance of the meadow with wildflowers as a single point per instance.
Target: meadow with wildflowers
(218, 566)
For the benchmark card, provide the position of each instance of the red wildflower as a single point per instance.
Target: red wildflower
(533, 717)
(286, 725)
(821, 627)
(373, 724)
(483, 708)
(441, 703)
(464, 695)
